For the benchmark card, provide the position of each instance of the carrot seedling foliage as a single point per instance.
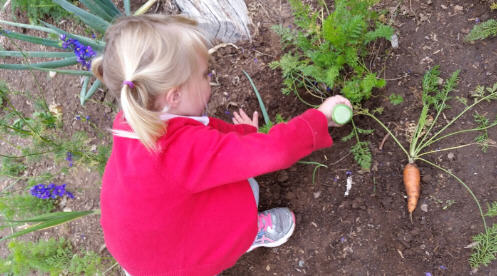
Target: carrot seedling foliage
(325, 56)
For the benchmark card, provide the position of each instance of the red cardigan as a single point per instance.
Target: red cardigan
(188, 209)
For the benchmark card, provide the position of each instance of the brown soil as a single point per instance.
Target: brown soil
(368, 232)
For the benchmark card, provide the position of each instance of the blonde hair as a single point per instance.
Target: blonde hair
(154, 52)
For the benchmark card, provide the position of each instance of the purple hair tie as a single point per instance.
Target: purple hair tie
(129, 83)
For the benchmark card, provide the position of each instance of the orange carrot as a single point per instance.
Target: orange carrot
(412, 180)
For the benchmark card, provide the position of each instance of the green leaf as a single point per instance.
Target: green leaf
(68, 72)
(31, 39)
(331, 75)
(127, 8)
(348, 137)
(362, 154)
(49, 64)
(110, 8)
(96, 45)
(91, 91)
(381, 30)
(48, 221)
(396, 99)
(97, 9)
(261, 103)
(482, 31)
(27, 26)
(91, 20)
(82, 94)
(36, 54)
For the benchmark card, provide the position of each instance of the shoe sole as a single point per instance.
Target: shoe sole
(280, 241)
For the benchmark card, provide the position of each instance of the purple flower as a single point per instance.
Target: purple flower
(428, 274)
(87, 117)
(442, 267)
(477, 20)
(78, 117)
(51, 191)
(348, 173)
(83, 53)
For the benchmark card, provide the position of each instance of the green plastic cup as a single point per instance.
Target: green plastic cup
(341, 114)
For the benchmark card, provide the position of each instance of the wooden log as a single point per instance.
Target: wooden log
(225, 20)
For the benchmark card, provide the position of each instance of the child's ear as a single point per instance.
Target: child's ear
(172, 97)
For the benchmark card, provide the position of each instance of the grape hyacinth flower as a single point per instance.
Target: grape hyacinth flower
(50, 191)
(83, 53)
(69, 158)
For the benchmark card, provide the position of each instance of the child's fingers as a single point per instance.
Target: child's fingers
(255, 118)
(237, 118)
(244, 115)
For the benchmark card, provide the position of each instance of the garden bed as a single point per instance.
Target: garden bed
(369, 231)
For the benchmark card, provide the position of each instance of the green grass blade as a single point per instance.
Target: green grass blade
(91, 91)
(97, 9)
(82, 94)
(31, 39)
(96, 45)
(54, 220)
(261, 103)
(110, 8)
(49, 64)
(36, 54)
(95, 22)
(67, 72)
(127, 8)
(27, 26)
(145, 7)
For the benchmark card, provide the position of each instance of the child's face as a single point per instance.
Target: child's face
(196, 92)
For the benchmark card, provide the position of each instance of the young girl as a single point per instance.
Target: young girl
(177, 195)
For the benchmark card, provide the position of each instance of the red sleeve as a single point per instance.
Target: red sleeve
(224, 127)
(218, 158)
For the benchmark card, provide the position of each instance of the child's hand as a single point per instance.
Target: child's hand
(243, 118)
(327, 107)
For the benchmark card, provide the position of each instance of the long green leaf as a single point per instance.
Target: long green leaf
(96, 45)
(67, 72)
(110, 8)
(31, 39)
(82, 94)
(91, 91)
(56, 219)
(91, 20)
(145, 7)
(261, 103)
(27, 26)
(36, 54)
(96, 8)
(49, 64)
(127, 9)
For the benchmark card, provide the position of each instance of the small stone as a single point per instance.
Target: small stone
(394, 40)
(458, 8)
(301, 263)
(317, 194)
(52, 74)
(427, 178)
(451, 156)
(102, 248)
(67, 209)
(290, 195)
(424, 207)
(282, 176)
(268, 268)
(444, 7)
(440, 81)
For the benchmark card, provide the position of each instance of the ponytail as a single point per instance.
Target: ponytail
(146, 124)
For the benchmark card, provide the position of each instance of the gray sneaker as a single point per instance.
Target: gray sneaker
(275, 227)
